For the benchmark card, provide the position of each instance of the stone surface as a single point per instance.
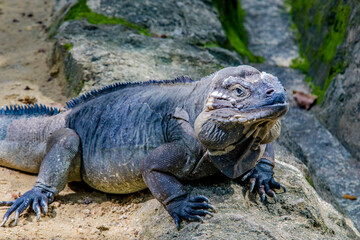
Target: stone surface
(190, 20)
(105, 54)
(268, 26)
(321, 25)
(299, 214)
(340, 109)
(101, 55)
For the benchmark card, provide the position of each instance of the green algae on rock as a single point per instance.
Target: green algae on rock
(322, 28)
(232, 17)
(82, 11)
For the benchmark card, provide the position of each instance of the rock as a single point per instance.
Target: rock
(189, 20)
(340, 109)
(329, 34)
(96, 55)
(299, 214)
(277, 47)
(101, 55)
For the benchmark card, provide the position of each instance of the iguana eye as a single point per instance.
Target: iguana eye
(239, 91)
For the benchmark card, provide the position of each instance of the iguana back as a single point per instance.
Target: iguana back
(120, 128)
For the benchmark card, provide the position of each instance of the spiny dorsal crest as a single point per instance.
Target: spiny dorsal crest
(116, 86)
(36, 109)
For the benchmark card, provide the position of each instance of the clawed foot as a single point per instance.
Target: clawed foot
(261, 178)
(38, 198)
(190, 209)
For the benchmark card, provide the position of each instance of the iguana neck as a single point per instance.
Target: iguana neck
(192, 99)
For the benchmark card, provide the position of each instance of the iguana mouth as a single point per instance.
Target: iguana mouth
(267, 106)
(249, 115)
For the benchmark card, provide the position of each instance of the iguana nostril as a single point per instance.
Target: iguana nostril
(269, 91)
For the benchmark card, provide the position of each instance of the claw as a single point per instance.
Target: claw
(38, 215)
(283, 187)
(4, 221)
(37, 209)
(272, 194)
(252, 181)
(200, 219)
(262, 193)
(247, 175)
(212, 208)
(199, 199)
(16, 217)
(275, 197)
(209, 213)
(44, 205)
(195, 212)
(262, 198)
(177, 221)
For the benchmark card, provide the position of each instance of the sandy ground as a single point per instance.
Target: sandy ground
(24, 73)
(26, 78)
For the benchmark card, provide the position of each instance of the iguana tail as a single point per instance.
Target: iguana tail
(24, 131)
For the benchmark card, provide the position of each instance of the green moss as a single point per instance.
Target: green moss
(67, 46)
(301, 8)
(82, 11)
(318, 19)
(232, 17)
(336, 34)
(308, 179)
(211, 45)
(330, 21)
(301, 63)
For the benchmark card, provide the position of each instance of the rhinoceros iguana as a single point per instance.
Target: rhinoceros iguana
(130, 136)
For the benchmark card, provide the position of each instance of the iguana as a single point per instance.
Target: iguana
(130, 136)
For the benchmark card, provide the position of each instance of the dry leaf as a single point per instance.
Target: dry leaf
(350, 197)
(304, 100)
(28, 100)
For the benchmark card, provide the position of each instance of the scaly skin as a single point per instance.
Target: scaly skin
(127, 137)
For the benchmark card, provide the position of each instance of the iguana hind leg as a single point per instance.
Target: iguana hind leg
(61, 161)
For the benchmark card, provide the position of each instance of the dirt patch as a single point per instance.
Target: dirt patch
(78, 212)
(24, 51)
(26, 78)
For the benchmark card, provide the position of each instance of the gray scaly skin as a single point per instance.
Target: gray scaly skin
(128, 137)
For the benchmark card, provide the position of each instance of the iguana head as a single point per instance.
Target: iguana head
(241, 112)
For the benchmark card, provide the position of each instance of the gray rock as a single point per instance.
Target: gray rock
(299, 214)
(268, 26)
(104, 54)
(321, 24)
(340, 109)
(191, 20)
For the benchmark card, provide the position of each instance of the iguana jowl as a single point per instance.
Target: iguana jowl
(127, 137)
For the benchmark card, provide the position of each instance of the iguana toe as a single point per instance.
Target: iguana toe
(6, 203)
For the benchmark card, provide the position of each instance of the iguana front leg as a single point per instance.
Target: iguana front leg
(161, 171)
(62, 148)
(261, 176)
